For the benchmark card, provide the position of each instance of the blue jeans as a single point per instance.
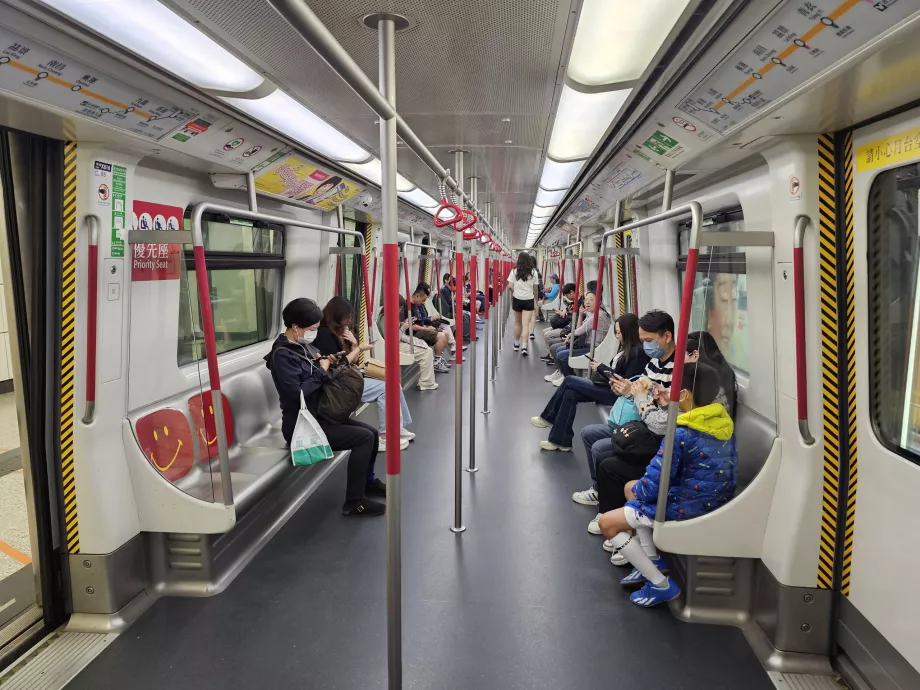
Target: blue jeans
(562, 359)
(560, 410)
(374, 391)
(598, 447)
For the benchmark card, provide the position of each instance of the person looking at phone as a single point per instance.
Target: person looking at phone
(298, 369)
(334, 336)
(559, 413)
(423, 329)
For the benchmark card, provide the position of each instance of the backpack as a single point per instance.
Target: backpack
(341, 394)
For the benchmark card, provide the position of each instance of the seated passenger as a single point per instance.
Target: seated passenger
(423, 329)
(333, 336)
(422, 354)
(582, 335)
(552, 292)
(550, 356)
(559, 412)
(448, 297)
(702, 478)
(421, 312)
(560, 319)
(613, 467)
(299, 369)
(702, 347)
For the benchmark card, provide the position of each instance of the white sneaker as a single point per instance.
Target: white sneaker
(588, 497)
(517, 345)
(559, 379)
(546, 445)
(551, 377)
(382, 445)
(616, 559)
(594, 526)
(431, 387)
(440, 366)
(539, 422)
(406, 434)
(524, 352)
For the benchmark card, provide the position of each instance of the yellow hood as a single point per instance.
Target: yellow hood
(709, 419)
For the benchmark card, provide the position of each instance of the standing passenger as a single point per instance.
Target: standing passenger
(523, 284)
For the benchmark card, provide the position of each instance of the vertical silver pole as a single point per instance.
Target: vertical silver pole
(471, 468)
(251, 189)
(668, 193)
(387, 68)
(458, 377)
(617, 214)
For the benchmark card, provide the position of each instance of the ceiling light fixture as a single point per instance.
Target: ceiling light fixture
(581, 120)
(373, 171)
(421, 199)
(559, 175)
(160, 36)
(547, 198)
(280, 111)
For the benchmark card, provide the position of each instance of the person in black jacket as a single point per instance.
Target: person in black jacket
(298, 368)
(559, 412)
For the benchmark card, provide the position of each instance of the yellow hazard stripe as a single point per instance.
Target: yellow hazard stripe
(620, 242)
(827, 241)
(363, 335)
(850, 368)
(68, 323)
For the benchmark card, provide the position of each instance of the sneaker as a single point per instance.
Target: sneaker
(517, 345)
(524, 352)
(547, 358)
(533, 337)
(616, 559)
(430, 387)
(465, 347)
(376, 488)
(650, 595)
(636, 578)
(546, 445)
(551, 377)
(440, 366)
(559, 379)
(539, 422)
(406, 434)
(479, 319)
(594, 526)
(382, 444)
(588, 497)
(366, 508)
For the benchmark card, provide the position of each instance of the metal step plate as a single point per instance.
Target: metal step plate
(801, 681)
(54, 661)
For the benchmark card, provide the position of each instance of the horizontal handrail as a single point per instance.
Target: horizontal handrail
(801, 372)
(207, 316)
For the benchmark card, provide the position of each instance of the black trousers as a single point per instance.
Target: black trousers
(362, 440)
(613, 473)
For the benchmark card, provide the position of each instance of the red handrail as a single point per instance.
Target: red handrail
(92, 309)
(452, 220)
(801, 370)
(472, 302)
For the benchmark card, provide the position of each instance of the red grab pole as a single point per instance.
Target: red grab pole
(473, 301)
(391, 350)
(487, 275)
(92, 306)
(458, 306)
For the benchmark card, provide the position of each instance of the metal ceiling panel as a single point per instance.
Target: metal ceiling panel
(462, 66)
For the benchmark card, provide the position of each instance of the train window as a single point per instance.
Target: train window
(720, 292)
(245, 271)
(894, 309)
(349, 278)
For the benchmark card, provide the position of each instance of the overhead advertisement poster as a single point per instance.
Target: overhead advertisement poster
(795, 44)
(30, 69)
(290, 176)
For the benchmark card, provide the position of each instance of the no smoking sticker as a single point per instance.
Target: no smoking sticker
(684, 124)
(103, 192)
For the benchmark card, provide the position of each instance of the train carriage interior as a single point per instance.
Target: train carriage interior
(253, 251)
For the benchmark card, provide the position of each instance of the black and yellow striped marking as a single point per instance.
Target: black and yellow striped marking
(68, 321)
(849, 367)
(621, 241)
(363, 335)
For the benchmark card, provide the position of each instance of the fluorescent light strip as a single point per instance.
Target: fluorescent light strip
(616, 41)
(543, 211)
(162, 37)
(581, 120)
(559, 175)
(421, 199)
(545, 198)
(373, 171)
(280, 111)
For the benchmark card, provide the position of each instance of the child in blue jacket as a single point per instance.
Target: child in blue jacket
(702, 479)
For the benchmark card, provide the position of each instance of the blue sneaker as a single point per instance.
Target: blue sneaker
(637, 578)
(650, 595)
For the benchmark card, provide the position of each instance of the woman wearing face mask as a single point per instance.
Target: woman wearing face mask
(333, 336)
(297, 367)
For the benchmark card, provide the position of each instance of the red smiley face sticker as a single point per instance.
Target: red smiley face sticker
(205, 429)
(166, 440)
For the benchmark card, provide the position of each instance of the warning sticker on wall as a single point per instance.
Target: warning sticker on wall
(898, 148)
(153, 260)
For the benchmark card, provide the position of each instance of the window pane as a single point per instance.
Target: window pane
(241, 236)
(720, 308)
(894, 307)
(246, 307)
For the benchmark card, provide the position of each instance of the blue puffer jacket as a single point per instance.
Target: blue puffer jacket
(702, 470)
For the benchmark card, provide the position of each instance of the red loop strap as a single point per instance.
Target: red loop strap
(440, 222)
(470, 217)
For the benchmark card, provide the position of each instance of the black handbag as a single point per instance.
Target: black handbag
(635, 441)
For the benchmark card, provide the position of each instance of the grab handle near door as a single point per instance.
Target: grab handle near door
(92, 306)
(801, 372)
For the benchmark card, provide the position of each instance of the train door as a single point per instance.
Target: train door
(37, 227)
(876, 554)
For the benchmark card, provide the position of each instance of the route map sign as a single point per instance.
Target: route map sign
(32, 70)
(796, 43)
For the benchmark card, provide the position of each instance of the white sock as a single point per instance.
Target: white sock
(648, 543)
(632, 551)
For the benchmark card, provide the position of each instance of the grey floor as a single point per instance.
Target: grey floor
(525, 598)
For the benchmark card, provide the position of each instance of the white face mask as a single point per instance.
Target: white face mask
(308, 337)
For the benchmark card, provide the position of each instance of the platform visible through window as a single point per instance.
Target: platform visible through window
(245, 270)
(894, 309)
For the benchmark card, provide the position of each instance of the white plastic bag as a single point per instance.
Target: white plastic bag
(309, 444)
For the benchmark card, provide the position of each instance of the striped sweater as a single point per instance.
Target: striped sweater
(655, 416)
